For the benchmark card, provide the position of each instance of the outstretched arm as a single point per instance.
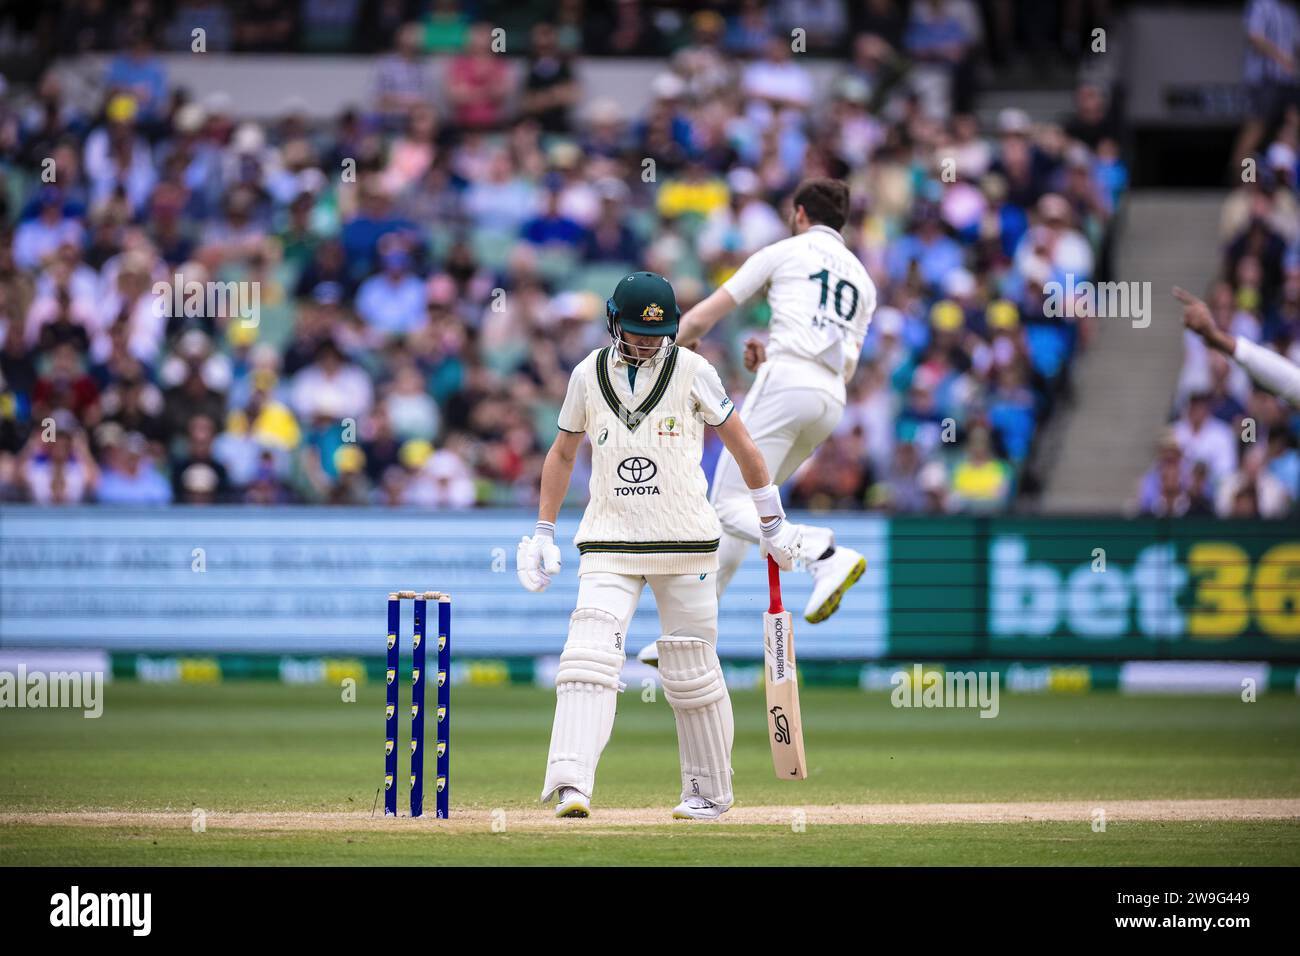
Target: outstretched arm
(698, 320)
(1197, 318)
(1272, 371)
(753, 274)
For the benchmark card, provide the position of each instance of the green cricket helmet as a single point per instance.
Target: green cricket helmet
(643, 303)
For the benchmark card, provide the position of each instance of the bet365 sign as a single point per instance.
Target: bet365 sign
(1194, 589)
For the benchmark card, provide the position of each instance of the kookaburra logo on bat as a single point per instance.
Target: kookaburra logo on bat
(782, 733)
(778, 648)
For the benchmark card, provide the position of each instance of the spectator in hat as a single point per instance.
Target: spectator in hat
(130, 476)
(118, 163)
(1053, 246)
(1163, 490)
(392, 302)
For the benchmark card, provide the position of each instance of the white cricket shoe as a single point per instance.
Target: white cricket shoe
(831, 578)
(572, 803)
(649, 654)
(697, 808)
(815, 541)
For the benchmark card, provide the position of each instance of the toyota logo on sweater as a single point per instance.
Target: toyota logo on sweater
(637, 471)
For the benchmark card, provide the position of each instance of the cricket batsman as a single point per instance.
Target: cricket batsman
(644, 402)
(821, 300)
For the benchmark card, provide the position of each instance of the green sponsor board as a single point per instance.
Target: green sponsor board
(1094, 588)
(1014, 677)
(297, 669)
(936, 587)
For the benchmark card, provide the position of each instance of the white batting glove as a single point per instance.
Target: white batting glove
(536, 559)
(783, 540)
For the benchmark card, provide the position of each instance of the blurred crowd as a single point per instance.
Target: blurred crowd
(387, 303)
(1005, 32)
(1231, 448)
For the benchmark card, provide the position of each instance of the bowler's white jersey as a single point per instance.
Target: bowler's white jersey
(1275, 372)
(821, 298)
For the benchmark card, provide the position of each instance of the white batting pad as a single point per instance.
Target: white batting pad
(586, 695)
(692, 679)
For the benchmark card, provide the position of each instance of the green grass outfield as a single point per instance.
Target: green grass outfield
(132, 779)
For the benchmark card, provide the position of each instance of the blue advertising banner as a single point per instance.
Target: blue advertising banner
(314, 581)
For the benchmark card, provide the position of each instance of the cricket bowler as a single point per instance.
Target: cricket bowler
(644, 402)
(1272, 372)
(821, 300)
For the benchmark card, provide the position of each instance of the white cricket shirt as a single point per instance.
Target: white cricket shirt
(821, 298)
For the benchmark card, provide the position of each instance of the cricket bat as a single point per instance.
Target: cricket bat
(784, 725)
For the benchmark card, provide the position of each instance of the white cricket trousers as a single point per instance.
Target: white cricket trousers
(788, 419)
(587, 683)
(688, 603)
